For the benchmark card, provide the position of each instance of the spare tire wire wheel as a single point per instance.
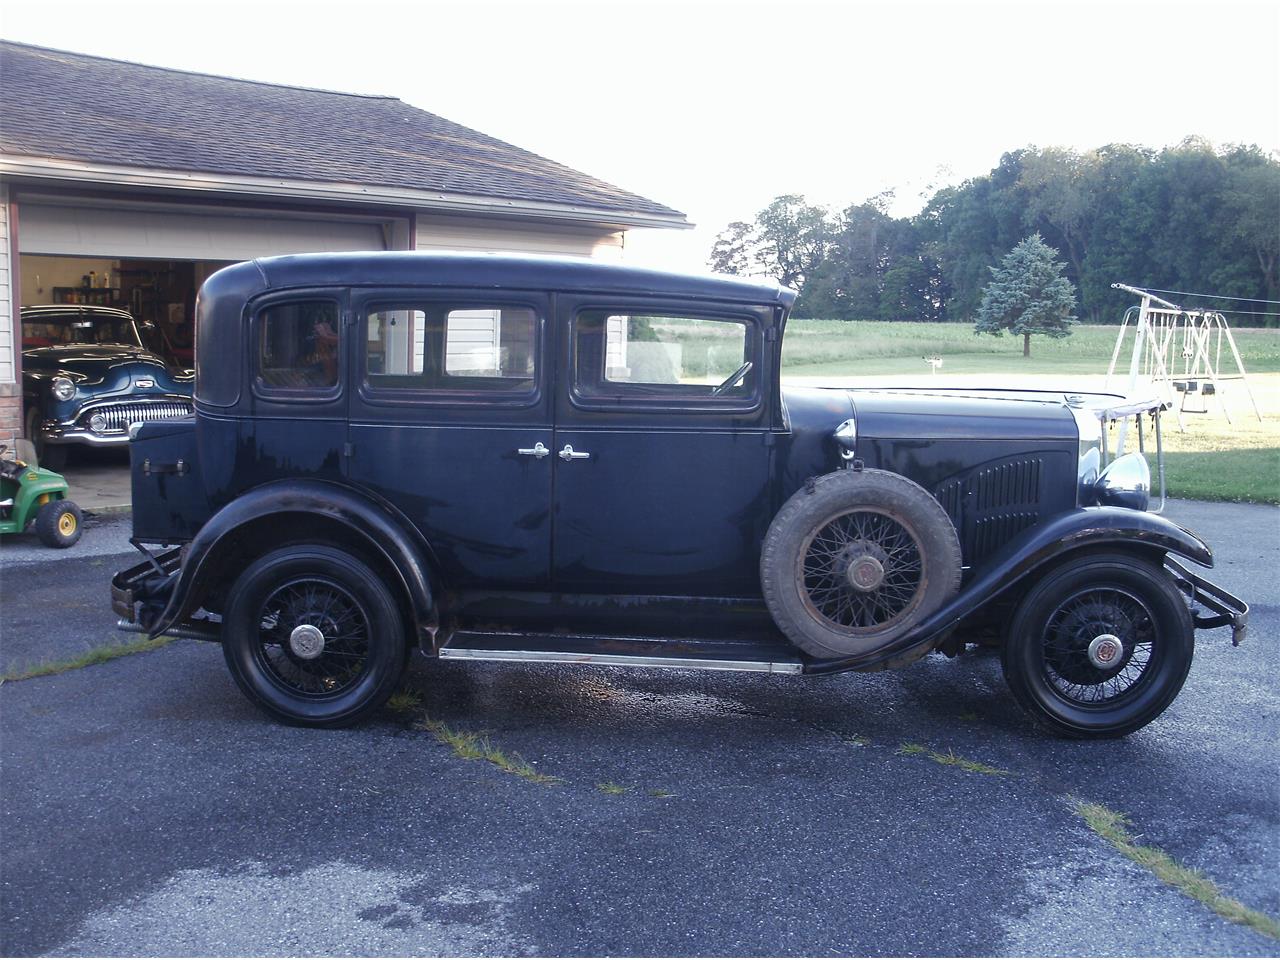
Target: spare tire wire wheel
(863, 570)
(854, 560)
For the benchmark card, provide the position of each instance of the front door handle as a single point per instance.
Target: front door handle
(568, 453)
(538, 450)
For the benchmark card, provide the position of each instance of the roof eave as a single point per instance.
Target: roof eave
(52, 168)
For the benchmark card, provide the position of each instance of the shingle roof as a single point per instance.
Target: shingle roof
(71, 106)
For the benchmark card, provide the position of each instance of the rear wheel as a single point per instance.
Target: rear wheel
(313, 636)
(1100, 647)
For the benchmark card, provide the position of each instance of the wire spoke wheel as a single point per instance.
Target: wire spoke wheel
(1098, 646)
(854, 560)
(314, 637)
(862, 571)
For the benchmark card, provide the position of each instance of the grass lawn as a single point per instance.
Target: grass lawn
(1210, 459)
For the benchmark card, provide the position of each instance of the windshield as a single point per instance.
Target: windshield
(60, 331)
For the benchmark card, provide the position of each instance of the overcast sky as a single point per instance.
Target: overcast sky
(716, 107)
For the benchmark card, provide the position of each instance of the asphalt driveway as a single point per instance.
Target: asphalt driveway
(147, 808)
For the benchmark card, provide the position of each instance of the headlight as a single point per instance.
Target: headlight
(1125, 483)
(63, 388)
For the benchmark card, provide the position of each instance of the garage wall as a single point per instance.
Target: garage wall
(6, 293)
(489, 236)
(10, 392)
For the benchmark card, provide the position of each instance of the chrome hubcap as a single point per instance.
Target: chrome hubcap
(306, 642)
(1105, 651)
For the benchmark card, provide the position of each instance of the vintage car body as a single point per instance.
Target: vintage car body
(87, 375)
(568, 503)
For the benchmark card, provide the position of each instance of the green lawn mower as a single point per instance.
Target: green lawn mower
(29, 494)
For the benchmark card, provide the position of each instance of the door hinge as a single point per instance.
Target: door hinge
(771, 334)
(348, 449)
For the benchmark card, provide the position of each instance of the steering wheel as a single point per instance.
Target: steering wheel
(734, 377)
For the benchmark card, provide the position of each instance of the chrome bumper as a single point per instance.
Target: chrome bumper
(1225, 609)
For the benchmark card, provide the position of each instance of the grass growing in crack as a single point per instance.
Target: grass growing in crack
(477, 746)
(854, 740)
(614, 789)
(89, 658)
(1114, 828)
(951, 759)
(404, 701)
(661, 794)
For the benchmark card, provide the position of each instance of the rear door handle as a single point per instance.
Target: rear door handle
(568, 453)
(538, 450)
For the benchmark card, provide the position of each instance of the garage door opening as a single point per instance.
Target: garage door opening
(161, 294)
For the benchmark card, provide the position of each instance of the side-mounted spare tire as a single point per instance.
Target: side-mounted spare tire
(855, 559)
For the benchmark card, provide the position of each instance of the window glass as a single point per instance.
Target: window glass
(439, 347)
(662, 355)
(298, 345)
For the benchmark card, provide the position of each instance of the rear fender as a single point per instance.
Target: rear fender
(1032, 552)
(377, 527)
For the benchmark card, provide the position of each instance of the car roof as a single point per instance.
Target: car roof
(505, 271)
(51, 310)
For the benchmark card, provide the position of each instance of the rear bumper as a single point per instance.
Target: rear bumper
(1224, 609)
(139, 594)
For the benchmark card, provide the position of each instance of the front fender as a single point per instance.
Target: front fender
(1032, 550)
(376, 524)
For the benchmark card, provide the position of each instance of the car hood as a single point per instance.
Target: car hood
(98, 362)
(930, 413)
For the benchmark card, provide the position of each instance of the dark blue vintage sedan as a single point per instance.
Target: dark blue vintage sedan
(511, 458)
(87, 374)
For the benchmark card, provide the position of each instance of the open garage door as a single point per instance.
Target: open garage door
(192, 233)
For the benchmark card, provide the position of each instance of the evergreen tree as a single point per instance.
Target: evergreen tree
(1027, 294)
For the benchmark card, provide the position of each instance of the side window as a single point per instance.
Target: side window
(298, 346)
(662, 356)
(439, 347)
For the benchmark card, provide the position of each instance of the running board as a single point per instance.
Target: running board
(623, 652)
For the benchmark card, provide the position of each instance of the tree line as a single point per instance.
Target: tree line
(1189, 217)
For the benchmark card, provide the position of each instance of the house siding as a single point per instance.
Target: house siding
(10, 392)
(484, 236)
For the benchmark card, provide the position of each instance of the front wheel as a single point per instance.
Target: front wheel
(313, 636)
(59, 524)
(1099, 647)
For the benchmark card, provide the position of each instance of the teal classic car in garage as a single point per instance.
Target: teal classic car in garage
(87, 374)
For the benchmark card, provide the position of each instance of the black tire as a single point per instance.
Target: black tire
(51, 456)
(821, 540)
(59, 524)
(361, 647)
(1046, 656)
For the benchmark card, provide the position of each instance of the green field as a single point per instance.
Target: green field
(853, 348)
(1210, 459)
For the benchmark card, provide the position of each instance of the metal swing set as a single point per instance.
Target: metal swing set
(1179, 352)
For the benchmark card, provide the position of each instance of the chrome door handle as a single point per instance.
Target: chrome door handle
(538, 450)
(568, 453)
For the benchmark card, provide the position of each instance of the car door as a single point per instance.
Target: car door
(451, 423)
(662, 446)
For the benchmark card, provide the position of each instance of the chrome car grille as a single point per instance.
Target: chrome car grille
(119, 416)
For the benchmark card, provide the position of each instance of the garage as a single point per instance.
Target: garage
(150, 259)
(125, 186)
